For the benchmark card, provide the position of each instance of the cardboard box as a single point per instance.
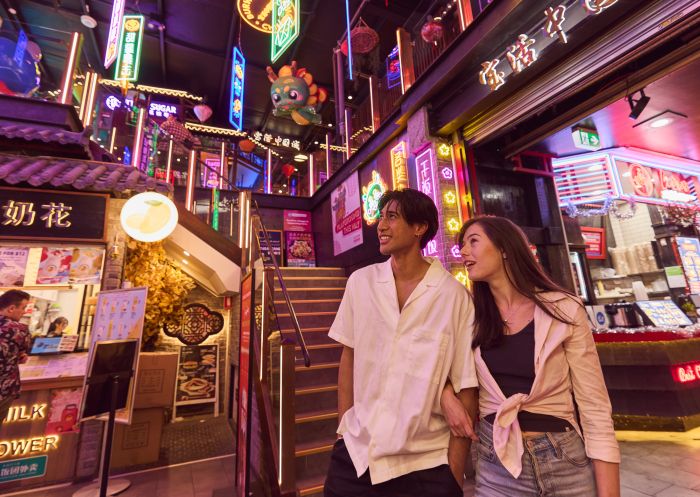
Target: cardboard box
(155, 379)
(139, 442)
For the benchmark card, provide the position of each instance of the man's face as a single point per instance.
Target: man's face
(15, 312)
(395, 234)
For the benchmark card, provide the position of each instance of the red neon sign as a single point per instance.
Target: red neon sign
(648, 182)
(686, 373)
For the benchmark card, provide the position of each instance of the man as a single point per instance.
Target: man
(406, 329)
(15, 343)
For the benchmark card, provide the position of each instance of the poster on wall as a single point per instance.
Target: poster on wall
(594, 238)
(13, 265)
(64, 409)
(119, 315)
(197, 375)
(297, 221)
(276, 245)
(689, 252)
(300, 249)
(86, 266)
(346, 215)
(54, 266)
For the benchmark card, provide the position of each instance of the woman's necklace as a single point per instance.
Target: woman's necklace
(507, 320)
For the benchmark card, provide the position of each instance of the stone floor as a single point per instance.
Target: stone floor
(653, 464)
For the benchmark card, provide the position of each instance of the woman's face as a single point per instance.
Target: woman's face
(482, 259)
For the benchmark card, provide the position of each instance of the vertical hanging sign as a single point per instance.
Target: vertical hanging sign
(235, 115)
(115, 25)
(129, 53)
(285, 26)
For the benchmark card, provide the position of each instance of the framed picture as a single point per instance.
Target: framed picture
(595, 242)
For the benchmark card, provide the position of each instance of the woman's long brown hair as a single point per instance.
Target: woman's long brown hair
(523, 272)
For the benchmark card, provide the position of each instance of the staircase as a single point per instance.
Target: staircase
(315, 294)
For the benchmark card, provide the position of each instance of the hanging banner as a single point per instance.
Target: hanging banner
(235, 115)
(285, 26)
(346, 215)
(129, 54)
(115, 25)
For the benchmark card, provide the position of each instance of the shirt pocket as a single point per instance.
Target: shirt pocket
(426, 354)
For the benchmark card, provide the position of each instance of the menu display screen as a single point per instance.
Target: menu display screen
(663, 313)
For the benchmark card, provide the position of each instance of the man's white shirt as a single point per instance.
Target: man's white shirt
(402, 360)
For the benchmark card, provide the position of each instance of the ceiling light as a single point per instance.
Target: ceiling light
(660, 123)
(187, 254)
(300, 157)
(279, 191)
(316, 142)
(349, 97)
(88, 21)
(12, 11)
(184, 261)
(330, 125)
(637, 105)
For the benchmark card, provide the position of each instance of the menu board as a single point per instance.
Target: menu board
(663, 313)
(276, 242)
(300, 249)
(296, 220)
(13, 264)
(197, 375)
(119, 315)
(689, 252)
(25, 266)
(346, 215)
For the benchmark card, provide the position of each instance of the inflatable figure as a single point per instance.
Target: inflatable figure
(19, 79)
(295, 94)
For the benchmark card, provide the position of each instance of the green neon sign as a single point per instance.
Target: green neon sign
(285, 26)
(129, 54)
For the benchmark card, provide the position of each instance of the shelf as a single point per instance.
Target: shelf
(631, 275)
(648, 273)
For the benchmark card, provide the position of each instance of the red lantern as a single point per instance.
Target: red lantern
(363, 39)
(432, 30)
(246, 145)
(288, 170)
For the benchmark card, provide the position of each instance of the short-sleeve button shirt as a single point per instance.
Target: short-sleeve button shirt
(402, 359)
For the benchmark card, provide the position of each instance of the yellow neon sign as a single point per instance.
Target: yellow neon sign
(257, 14)
(26, 446)
(25, 413)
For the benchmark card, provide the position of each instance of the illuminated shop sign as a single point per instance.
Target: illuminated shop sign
(625, 173)
(278, 141)
(235, 115)
(393, 69)
(42, 215)
(399, 166)
(285, 26)
(526, 49)
(21, 469)
(155, 109)
(371, 193)
(18, 414)
(129, 55)
(686, 373)
(257, 14)
(115, 25)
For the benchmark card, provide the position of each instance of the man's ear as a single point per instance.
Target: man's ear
(420, 229)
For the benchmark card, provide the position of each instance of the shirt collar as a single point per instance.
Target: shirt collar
(432, 277)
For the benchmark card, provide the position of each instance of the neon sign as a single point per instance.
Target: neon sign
(598, 6)
(686, 373)
(450, 198)
(447, 173)
(553, 25)
(425, 171)
(257, 14)
(18, 414)
(279, 141)
(647, 182)
(115, 25)
(155, 109)
(235, 115)
(129, 55)
(399, 166)
(370, 198)
(393, 69)
(285, 26)
(25, 446)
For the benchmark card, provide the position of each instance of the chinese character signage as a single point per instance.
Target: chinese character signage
(346, 215)
(399, 166)
(235, 115)
(285, 26)
(115, 25)
(689, 252)
(129, 55)
(51, 215)
(278, 141)
(21, 469)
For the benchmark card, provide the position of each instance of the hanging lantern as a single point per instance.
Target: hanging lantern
(288, 170)
(432, 30)
(363, 38)
(246, 145)
(203, 112)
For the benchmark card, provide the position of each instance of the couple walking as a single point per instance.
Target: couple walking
(422, 357)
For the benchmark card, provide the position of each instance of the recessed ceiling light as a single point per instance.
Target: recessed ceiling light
(187, 254)
(279, 191)
(349, 97)
(316, 142)
(660, 123)
(184, 261)
(330, 125)
(88, 21)
(300, 157)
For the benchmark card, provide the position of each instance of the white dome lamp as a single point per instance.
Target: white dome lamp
(149, 217)
(87, 20)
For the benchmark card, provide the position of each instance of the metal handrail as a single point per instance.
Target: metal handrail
(283, 287)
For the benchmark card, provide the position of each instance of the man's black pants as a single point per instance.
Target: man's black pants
(342, 480)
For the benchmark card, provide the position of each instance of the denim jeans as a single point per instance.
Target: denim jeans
(554, 465)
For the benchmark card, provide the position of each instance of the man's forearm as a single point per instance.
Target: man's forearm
(459, 447)
(345, 377)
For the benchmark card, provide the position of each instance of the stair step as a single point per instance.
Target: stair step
(312, 459)
(314, 390)
(311, 292)
(307, 314)
(312, 336)
(319, 374)
(316, 416)
(322, 352)
(313, 399)
(309, 271)
(309, 305)
(310, 449)
(311, 487)
(319, 366)
(314, 281)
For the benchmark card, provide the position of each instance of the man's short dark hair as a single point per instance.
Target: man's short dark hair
(416, 208)
(13, 297)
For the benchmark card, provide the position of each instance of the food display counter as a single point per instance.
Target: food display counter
(653, 376)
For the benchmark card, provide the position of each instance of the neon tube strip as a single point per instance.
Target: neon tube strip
(67, 83)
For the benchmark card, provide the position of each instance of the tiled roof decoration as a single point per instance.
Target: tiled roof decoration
(45, 134)
(79, 174)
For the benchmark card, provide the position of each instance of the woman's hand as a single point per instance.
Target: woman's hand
(461, 424)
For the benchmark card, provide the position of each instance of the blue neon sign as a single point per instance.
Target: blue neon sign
(235, 115)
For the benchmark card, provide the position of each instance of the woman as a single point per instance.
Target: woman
(534, 356)
(57, 327)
